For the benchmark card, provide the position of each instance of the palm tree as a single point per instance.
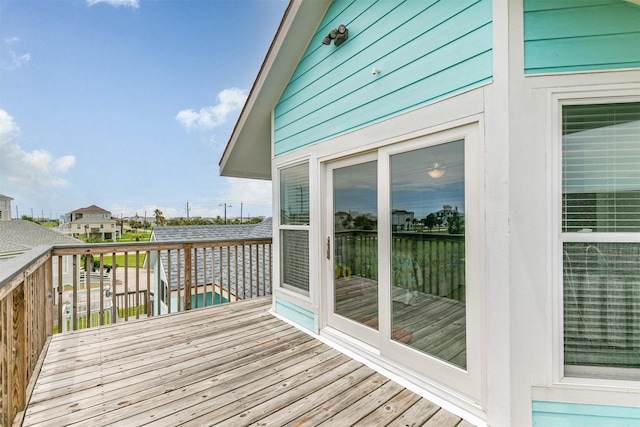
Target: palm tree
(159, 217)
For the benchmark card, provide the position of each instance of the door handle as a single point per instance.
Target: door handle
(328, 247)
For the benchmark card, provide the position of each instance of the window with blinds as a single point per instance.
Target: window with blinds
(294, 227)
(601, 240)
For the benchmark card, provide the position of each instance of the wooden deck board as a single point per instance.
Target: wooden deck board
(230, 365)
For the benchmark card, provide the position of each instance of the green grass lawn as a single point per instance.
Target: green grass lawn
(95, 318)
(134, 237)
(108, 260)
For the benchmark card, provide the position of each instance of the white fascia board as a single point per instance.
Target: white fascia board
(248, 152)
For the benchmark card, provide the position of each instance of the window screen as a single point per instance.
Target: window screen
(601, 269)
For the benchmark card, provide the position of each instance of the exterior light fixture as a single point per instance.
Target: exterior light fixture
(436, 171)
(339, 35)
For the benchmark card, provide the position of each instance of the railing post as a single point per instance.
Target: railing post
(187, 276)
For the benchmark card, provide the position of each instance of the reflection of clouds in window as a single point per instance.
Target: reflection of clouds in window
(415, 191)
(356, 188)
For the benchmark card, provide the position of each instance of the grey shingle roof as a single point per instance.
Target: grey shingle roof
(235, 282)
(19, 236)
(91, 209)
(214, 232)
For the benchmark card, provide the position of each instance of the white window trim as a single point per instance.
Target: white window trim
(297, 296)
(557, 98)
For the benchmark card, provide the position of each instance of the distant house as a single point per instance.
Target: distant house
(92, 221)
(210, 286)
(522, 117)
(5, 208)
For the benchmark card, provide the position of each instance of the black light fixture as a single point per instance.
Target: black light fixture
(339, 35)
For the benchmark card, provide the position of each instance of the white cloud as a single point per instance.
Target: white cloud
(35, 171)
(229, 101)
(250, 191)
(10, 59)
(135, 4)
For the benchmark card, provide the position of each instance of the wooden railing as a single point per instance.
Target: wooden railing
(47, 290)
(26, 317)
(432, 263)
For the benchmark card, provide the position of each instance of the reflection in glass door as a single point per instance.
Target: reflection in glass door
(355, 243)
(428, 286)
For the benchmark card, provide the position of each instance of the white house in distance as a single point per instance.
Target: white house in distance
(5, 207)
(523, 114)
(92, 221)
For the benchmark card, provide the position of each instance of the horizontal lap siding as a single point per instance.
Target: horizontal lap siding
(425, 49)
(557, 414)
(296, 314)
(565, 35)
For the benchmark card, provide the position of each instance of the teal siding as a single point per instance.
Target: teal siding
(569, 35)
(559, 414)
(425, 49)
(296, 314)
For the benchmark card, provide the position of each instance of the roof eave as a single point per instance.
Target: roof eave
(248, 152)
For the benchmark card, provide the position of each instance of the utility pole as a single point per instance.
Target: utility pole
(187, 211)
(240, 212)
(17, 216)
(225, 211)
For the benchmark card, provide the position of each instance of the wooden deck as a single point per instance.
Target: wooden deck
(233, 365)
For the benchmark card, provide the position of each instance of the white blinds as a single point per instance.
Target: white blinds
(601, 280)
(294, 195)
(601, 168)
(295, 258)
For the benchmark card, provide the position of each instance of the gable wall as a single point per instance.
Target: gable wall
(569, 35)
(425, 50)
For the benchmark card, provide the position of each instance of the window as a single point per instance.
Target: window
(600, 238)
(428, 251)
(294, 227)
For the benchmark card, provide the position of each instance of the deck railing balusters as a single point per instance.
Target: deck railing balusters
(101, 312)
(137, 284)
(168, 279)
(147, 295)
(74, 302)
(126, 286)
(194, 278)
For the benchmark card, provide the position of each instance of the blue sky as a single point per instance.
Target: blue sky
(128, 104)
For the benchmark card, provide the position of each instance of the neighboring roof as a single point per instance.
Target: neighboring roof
(20, 235)
(248, 152)
(2, 196)
(213, 232)
(218, 233)
(90, 209)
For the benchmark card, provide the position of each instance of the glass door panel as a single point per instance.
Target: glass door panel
(355, 243)
(428, 294)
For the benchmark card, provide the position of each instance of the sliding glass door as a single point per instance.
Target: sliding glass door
(353, 246)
